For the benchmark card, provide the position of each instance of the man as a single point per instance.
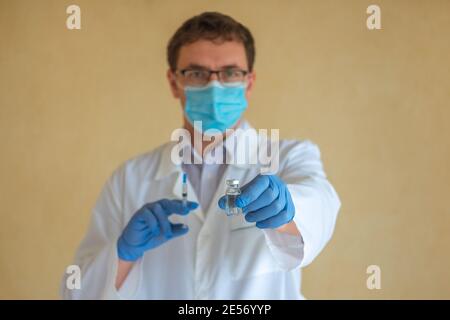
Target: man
(143, 243)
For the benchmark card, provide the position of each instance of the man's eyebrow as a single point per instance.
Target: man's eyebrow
(230, 66)
(198, 66)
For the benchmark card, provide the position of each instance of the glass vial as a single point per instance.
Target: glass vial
(232, 193)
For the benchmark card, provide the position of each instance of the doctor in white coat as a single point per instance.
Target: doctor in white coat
(143, 243)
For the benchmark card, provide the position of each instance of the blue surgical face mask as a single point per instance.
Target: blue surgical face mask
(217, 106)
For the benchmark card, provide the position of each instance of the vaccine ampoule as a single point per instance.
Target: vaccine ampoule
(232, 192)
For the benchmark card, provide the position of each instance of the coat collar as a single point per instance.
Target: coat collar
(167, 167)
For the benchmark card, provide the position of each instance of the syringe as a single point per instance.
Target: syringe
(184, 190)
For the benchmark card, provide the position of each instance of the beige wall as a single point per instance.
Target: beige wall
(75, 104)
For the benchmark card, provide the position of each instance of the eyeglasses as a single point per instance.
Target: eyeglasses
(201, 77)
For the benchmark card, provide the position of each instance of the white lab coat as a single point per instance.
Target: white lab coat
(220, 257)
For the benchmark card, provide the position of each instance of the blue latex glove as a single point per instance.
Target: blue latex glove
(265, 200)
(150, 227)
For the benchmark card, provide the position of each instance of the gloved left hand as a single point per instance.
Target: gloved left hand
(265, 200)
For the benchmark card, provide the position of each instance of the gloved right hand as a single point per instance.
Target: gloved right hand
(150, 227)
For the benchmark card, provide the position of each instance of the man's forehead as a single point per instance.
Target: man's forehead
(213, 55)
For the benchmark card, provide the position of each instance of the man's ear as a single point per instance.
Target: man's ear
(250, 83)
(173, 84)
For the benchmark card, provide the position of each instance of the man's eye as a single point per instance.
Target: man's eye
(197, 74)
(229, 73)
(232, 73)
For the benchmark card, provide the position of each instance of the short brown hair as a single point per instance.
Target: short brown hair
(212, 26)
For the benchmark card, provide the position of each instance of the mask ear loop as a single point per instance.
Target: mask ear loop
(179, 85)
